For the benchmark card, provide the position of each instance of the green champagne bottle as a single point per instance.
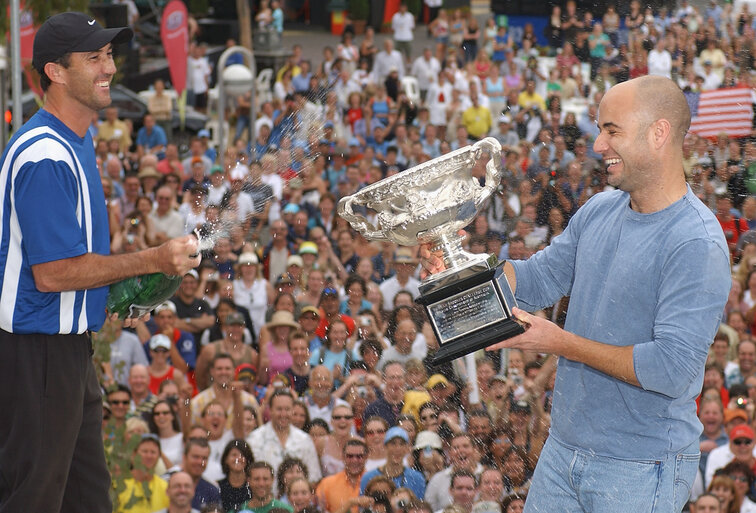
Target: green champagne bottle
(137, 296)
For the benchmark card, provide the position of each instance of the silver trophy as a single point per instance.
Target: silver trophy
(470, 303)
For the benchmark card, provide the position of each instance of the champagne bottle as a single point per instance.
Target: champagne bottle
(137, 296)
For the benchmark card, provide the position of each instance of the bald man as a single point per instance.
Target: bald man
(647, 270)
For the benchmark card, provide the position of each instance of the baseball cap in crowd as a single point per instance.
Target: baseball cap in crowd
(291, 208)
(203, 133)
(285, 279)
(742, 431)
(73, 32)
(396, 432)
(246, 371)
(239, 172)
(167, 305)
(354, 142)
(520, 407)
(428, 439)
(192, 273)
(235, 318)
(731, 414)
(310, 309)
(436, 380)
(294, 260)
(248, 258)
(308, 248)
(216, 169)
(329, 292)
(505, 118)
(328, 124)
(160, 341)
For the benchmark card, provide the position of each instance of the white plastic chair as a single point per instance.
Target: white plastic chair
(263, 86)
(411, 89)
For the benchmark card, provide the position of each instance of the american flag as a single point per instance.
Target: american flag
(728, 110)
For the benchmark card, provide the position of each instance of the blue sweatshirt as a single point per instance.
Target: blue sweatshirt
(657, 282)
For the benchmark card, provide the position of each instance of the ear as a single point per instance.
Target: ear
(660, 133)
(54, 72)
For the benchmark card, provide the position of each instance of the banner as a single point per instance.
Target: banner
(175, 36)
(27, 30)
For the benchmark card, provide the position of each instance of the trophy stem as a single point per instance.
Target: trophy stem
(453, 255)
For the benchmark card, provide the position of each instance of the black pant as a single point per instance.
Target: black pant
(51, 452)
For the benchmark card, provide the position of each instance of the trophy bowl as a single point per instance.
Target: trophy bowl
(428, 204)
(469, 304)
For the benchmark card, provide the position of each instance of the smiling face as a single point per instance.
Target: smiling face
(222, 372)
(299, 494)
(341, 420)
(87, 78)
(214, 420)
(622, 140)
(462, 452)
(260, 483)
(236, 460)
(280, 412)
(162, 415)
(148, 453)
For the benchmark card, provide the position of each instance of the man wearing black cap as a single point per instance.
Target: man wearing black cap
(54, 269)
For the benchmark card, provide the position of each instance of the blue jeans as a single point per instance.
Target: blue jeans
(571, 480)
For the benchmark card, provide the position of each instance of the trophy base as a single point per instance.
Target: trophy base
(469, 311)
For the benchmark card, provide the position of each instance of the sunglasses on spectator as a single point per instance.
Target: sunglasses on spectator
(742, 441)
(330, 291)
(354, 456)
(742, 479)
(119, 402)
(162, 412)
(429, 417)
(342, 417)
(376, 432)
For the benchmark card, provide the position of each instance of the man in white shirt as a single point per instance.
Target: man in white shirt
(385, 60)
(405, 264)
(425, 69)
(180, 493)
(198, 76)
(462, 456)
(276, 439)
(660, 60)
(403, 23)
(168, 223)
(711, 78)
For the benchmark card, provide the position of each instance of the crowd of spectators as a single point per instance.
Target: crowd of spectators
(290, 371)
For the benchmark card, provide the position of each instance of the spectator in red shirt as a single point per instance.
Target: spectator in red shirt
(731, 225)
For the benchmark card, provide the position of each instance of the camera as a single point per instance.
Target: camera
(742, 403)
(362, 391)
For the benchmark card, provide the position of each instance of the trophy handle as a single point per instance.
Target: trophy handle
(357, 221)
(494, 167)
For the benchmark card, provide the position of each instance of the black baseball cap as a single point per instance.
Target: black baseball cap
(73, 32)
